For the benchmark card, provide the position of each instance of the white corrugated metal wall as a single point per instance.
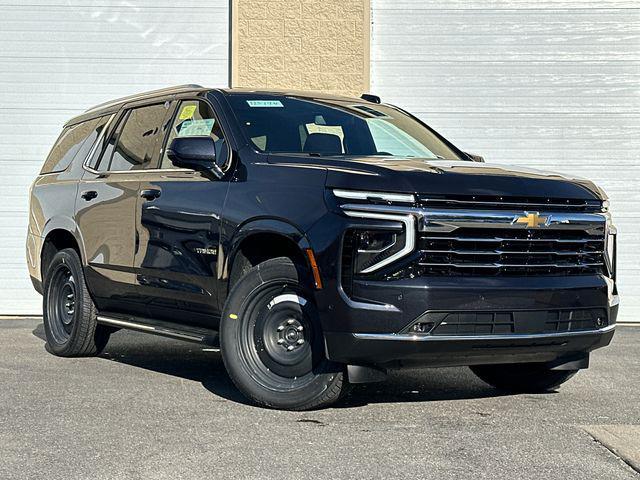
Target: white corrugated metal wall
(551, 84)
(60, 57)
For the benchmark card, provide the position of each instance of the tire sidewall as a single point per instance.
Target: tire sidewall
(262, 276)
(68, 258)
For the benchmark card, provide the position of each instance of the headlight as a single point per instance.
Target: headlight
(377, 247)
(374, 246)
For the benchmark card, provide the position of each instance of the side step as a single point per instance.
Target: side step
(166, 329)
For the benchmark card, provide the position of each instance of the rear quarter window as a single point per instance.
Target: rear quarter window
(74, 141)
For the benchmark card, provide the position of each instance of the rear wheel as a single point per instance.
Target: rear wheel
(70, 321)
(272, 344)
(522, 378)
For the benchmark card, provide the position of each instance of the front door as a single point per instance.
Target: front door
(106, 207)
(178, 227)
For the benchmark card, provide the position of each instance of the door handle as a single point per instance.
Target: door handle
(89, 195)
(150, 194)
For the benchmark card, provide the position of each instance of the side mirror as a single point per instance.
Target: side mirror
(475, 158)
(195, 153)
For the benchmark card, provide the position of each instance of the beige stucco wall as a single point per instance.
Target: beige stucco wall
(301, 44)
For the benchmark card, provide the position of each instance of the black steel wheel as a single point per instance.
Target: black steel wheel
(272, 342)
(70, 320)
(61, 305)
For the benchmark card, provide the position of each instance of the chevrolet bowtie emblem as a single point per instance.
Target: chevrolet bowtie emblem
(533, 220)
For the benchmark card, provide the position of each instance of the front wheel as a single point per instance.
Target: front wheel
(272, 344)
(522, 378)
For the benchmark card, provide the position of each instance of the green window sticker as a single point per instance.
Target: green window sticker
(196, 128)
(265, 103)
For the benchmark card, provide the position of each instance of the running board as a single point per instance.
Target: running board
(166, 329)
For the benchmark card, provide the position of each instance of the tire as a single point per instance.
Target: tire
(271, 342)
(522, 378)
(70, 321)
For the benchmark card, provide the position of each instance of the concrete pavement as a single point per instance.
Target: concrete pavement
(153, 408)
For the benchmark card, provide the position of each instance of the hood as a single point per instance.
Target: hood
(445, 177)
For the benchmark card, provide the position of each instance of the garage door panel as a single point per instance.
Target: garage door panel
(520, 72)
(572, 129)
(527, 95)
(531, 144)
(565, 26)
(524, 120)
(552, 104)
(86, 48)
(501, 77)
(498, 5)
(147, 5)
(63, 56)
(547, 84)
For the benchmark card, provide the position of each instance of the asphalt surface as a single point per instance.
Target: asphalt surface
(153, 408)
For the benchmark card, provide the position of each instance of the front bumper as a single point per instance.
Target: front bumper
(406, 350)
(375, 330)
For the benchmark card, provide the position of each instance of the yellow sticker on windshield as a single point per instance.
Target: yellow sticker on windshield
(187, 112)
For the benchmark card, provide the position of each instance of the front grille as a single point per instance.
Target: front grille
(508, 251)
(491, 202)
(509, 322)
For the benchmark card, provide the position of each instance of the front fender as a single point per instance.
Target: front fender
(275, 226)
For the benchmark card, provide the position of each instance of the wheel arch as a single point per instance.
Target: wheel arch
(54, 240)
(260, 240)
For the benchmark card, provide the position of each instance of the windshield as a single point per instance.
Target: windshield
(284, 124)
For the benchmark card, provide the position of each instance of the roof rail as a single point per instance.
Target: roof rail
(141, 95)
(369, 97)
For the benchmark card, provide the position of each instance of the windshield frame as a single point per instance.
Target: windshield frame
(334, 103)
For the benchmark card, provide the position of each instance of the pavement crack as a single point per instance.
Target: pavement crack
(613, 451)
(311, 420)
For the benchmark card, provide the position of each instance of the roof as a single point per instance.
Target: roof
(113, 105)
(143, 95)
(293, 93)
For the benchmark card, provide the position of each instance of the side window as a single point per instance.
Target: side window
(195, 118)
(93, 137)
(137, 139)
(107, 150)
(75, 140)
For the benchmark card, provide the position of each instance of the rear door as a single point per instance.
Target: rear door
(106, 206)
(178, 225)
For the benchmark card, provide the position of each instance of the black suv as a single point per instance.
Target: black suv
(317, 241)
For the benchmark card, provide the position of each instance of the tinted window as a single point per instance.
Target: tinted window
(94, 135)
(136, 141)
(281, 124)
(74, 141)
(107, 148)
(195, 118)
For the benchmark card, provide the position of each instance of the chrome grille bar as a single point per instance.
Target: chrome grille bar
(505, 239)
(513, 265)
(512, 252)
(512, 203)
